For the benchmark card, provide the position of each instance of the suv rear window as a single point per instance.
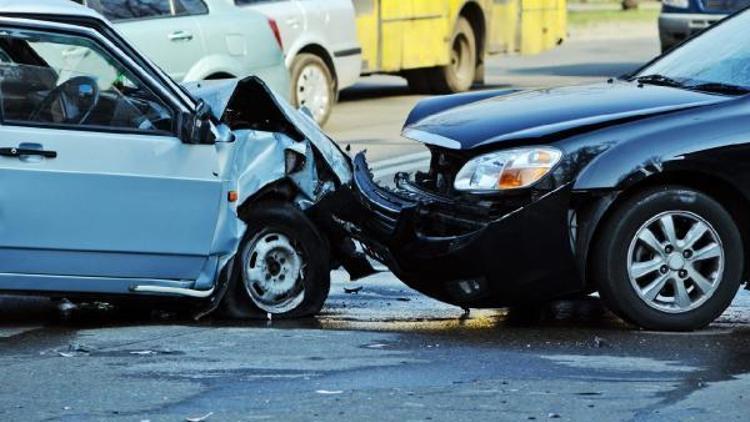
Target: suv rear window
(120, 10)
(190, 7)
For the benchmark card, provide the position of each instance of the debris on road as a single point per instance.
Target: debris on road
(200, 418)
(329, 392)
(74, 350)
(376, 346)
(600, 342)
(143, 352)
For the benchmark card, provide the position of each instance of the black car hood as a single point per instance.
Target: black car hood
(542, 113)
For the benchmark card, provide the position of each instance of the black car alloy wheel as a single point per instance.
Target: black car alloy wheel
(669, 259)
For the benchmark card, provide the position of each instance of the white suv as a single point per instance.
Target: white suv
(321, 46)
(194, 40)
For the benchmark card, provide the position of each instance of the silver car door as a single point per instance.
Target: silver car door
(95, 183)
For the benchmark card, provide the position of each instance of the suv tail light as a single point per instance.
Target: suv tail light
(276, 33)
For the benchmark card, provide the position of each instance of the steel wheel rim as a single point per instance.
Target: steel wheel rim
(676, 261)
(313, 91)
(273, 273)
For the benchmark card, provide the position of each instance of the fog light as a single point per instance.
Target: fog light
(467, 289)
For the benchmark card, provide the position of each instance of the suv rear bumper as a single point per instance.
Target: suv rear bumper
(675, 28)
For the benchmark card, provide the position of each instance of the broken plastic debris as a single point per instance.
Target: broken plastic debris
(376, 346)
(200, 418)
(329, 392)
(600, 342)
(143, 352)
(66, 306)
(75, 349)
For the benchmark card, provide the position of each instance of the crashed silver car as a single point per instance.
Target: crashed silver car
(118, 181)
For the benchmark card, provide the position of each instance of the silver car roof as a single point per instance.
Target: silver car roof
(47, 7)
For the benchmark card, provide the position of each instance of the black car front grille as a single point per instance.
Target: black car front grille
(444, 167)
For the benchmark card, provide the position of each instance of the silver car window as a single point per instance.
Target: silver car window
(66, 80)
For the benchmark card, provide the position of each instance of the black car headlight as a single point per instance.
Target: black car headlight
(507, 170)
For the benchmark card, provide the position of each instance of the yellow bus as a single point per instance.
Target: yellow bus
(440, 46)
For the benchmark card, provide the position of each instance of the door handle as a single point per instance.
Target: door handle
(20, 152)
(180, 36)
(293, 21)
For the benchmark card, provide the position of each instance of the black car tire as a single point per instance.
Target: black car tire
(459, 75)
(611, 255)
(302, 62)
(282, 218)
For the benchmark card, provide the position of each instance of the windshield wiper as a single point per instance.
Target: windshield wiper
(657, 79)
(720, 88)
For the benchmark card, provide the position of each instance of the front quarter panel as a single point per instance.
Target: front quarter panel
(712, 139)
(710, 142)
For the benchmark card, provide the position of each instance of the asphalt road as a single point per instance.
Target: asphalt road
(385, 352)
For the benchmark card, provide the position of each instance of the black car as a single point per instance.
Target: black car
(637, 187)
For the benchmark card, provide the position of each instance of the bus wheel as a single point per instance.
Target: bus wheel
(459, 74)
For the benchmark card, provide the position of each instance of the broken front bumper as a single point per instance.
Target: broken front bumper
(463, 253)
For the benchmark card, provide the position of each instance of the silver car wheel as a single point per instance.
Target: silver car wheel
(273, 273)
(676, 261)
(313, 91)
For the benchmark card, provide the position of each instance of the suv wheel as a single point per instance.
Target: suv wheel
(313, 86)
(669, 259)
(281, 267)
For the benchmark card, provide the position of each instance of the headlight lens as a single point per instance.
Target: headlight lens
(679, 4)
(506, 170)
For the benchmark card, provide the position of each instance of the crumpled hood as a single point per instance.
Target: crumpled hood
(216, 93)
(228, 97)
(546, 112)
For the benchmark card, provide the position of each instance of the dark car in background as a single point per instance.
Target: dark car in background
(681, 19)
(637, 187)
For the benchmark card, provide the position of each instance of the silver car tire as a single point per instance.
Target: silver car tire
(282, 267)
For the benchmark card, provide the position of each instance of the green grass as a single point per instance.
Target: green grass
(592, 17)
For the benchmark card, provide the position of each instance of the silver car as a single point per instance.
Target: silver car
(194, 40)
(118, 182)
(321, 46)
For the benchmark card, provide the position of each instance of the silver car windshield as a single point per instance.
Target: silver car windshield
(718, 61)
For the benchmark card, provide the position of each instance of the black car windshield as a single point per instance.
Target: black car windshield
(717, 61)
